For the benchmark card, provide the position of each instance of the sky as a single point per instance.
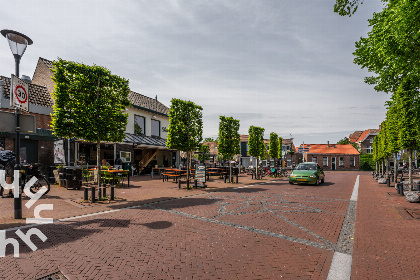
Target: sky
(286, 66)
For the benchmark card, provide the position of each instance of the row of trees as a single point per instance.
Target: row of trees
(186, 128)
(392, 52)
(90, 103)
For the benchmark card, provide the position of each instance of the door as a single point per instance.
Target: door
(333, 163)
(29, 151)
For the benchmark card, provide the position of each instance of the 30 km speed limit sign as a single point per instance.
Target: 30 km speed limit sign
(19, 94)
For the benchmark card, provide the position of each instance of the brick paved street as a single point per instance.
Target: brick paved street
(259, 230)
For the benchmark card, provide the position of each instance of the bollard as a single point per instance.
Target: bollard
(179, 184)
(237, 178)
(99, 193)
(195, 183)
(392, 179)
(92, 195)
(225, 178)
(388, 182)
(86, 194)
(252, 175)
(104, 191)
(112, 193)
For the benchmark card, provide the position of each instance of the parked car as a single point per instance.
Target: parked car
(307, 172)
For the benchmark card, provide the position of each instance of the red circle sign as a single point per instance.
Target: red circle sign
(21, 94)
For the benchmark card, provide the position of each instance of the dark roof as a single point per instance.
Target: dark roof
(38, 95)
(136, 99)
(144, 140)
(47, 62)
(147, 103)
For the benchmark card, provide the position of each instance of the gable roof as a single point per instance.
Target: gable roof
(366, 133)
(355, 135)
(47, 62)
(143, 102)
(342, 149)
(38, 95)
(138, 100)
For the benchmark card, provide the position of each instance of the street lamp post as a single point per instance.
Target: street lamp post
(17, 43)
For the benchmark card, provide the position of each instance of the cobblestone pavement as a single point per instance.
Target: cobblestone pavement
(261, 230)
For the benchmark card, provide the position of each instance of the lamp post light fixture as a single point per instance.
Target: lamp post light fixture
(17, 43)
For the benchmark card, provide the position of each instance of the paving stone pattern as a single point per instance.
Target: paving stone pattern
(258, 231)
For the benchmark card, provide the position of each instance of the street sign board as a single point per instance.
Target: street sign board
(19, 94)
(302, 150)
(200, 173)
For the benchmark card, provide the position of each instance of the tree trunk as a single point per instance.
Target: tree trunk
(382, 164)
(376, 167)
(230, 170)
(410, 173)
(188, 170)
(98, 162)
(387, 166)
(395, 168)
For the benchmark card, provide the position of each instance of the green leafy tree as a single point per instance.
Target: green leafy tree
(229, 139)
(256, 143)
(280, 149)
(391, 50)
(392, 133)
(375, 152)
(408, 118)
(203, 149)
(209, 139)
(273, 151)
(89, 104)
(384, 142)
(346, 7)
(185, 128)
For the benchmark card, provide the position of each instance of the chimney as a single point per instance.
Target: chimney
(328, 144)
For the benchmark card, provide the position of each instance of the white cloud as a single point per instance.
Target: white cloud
(283, 65)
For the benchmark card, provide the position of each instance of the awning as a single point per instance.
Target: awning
(143, 140)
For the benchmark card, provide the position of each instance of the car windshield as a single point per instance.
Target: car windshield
(306, 167)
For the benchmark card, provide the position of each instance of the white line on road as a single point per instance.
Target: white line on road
(340, 267)
(355, 190)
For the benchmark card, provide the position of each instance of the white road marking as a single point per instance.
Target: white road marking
(340, 267)
(355, 190)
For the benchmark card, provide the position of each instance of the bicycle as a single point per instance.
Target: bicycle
(26, 174)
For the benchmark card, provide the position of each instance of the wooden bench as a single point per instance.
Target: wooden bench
(172, 175)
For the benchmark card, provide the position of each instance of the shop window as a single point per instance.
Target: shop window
(325, 161)
(352, 162)
(314, 159)
(341, 161)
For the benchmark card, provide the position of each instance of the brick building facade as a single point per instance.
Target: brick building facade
(333, 157)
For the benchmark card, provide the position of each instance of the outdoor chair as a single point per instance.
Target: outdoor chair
(87, 175)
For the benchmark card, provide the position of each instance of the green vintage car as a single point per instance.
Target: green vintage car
(307, 172)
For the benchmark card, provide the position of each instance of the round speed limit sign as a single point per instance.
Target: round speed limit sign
(20, 94)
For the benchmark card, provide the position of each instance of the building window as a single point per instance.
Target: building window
(352, 162)
(155, 126)
(289, 162)
(325, 161)
(314, 159)
(139, 125)
(369, 149)
(341, 161)
(371, 140)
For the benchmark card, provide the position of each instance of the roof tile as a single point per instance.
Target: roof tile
(38, 95)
